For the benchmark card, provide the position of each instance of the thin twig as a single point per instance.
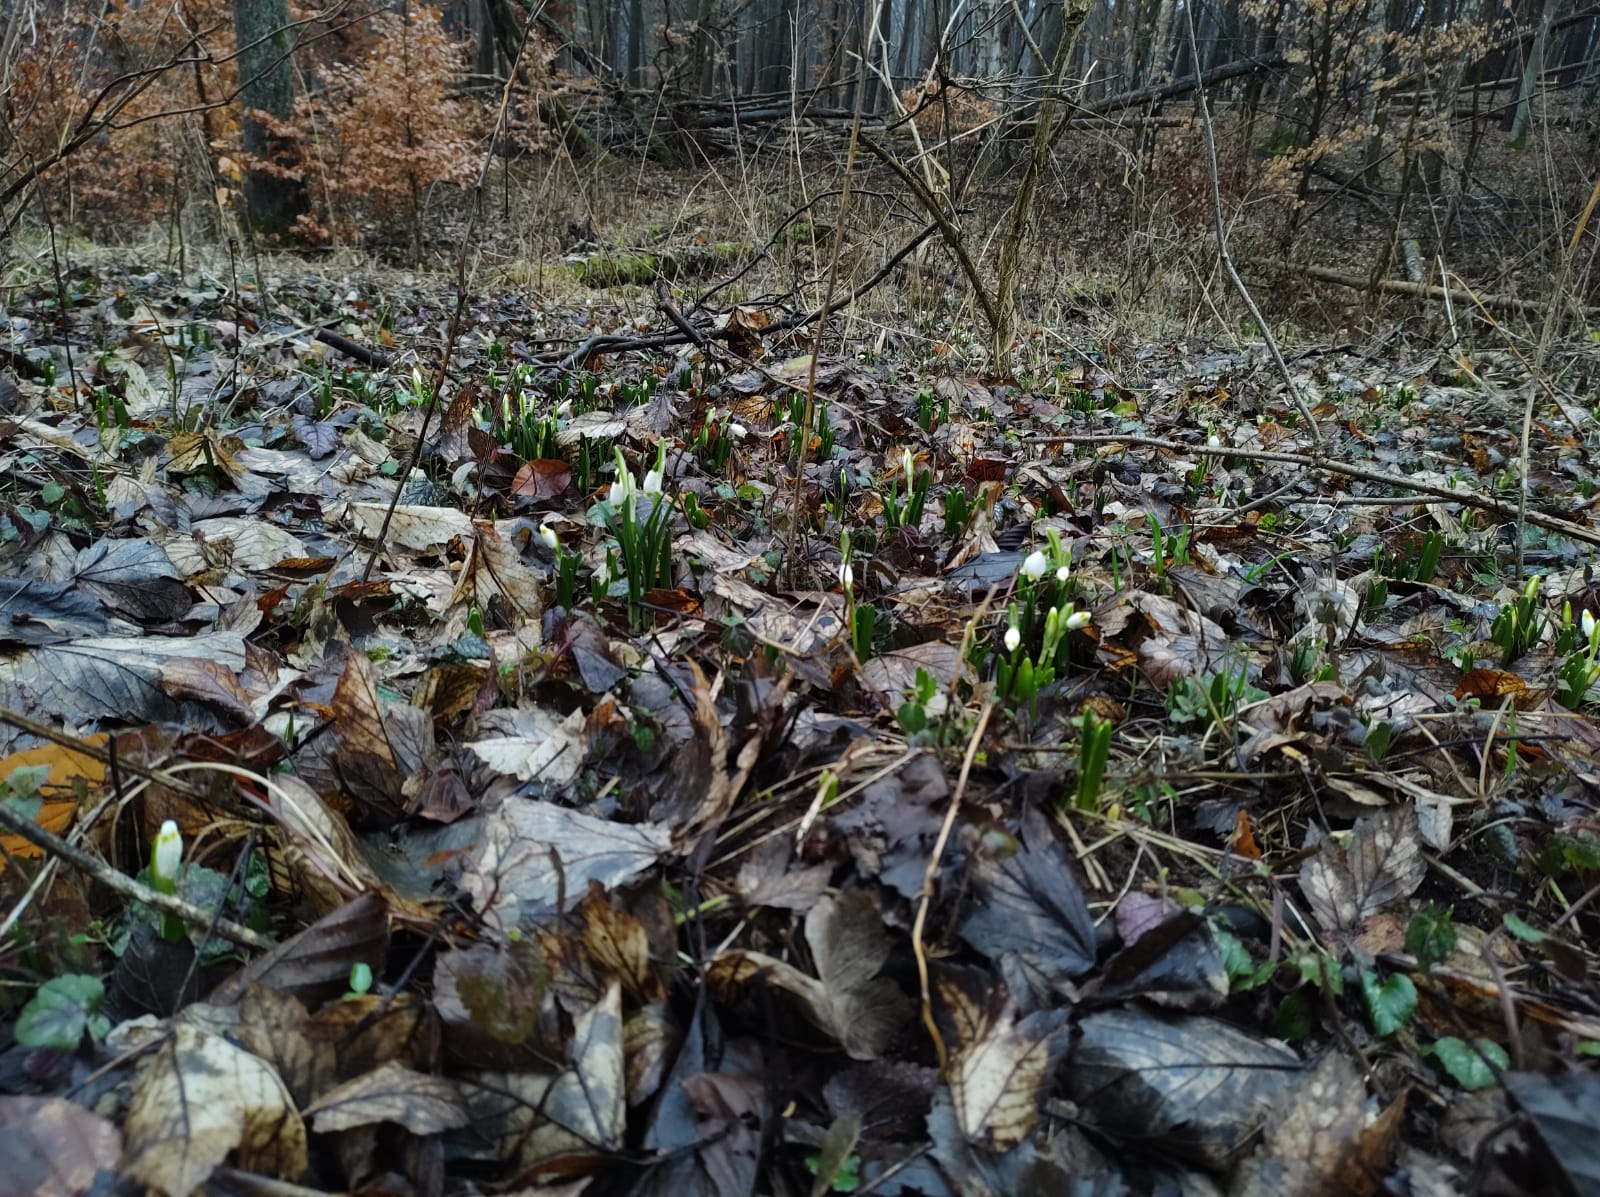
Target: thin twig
(931, 874)
(1227, 258)
(1467, 498)
(127, 887)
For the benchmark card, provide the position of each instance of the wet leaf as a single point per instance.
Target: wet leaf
(1196, 1087)
(1563, 1111)
(1028, 905)
(134, 577)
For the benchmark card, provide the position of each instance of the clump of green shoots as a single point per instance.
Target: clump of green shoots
(1520, 624)
(566, 567)
(1578, 644)
(820, 434)
(644, 542)
(714, 443)
(1094, 748)
(905, 510)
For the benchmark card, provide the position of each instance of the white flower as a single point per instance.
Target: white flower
(936, 706)
(908, 465)
(738, 431)
(551, 540)
(847, 576)
(1063, 574)
(1013, 638)
(1587, 623)
(621, 490)
(652, 482)
(1214, 440)
(1078, 619)
(1035, 564)
(167, 857)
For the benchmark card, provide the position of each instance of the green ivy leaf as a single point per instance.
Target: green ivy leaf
(1468, 1063)
(1390, 1002)
(61, 1011)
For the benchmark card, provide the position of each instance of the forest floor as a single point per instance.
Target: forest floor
(1082, 782)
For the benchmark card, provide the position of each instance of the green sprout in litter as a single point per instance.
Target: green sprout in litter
(645, 544)
(905, 510)
(1520, 624)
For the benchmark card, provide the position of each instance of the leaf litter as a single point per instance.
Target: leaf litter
(584, 886)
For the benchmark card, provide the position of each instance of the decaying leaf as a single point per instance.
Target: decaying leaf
(1196, 1087)
(51, 1147)
(998, 1075)
(534, 854)
(199, 1099)
(848, 1001)
(423, 1104)
(567, 1123)
(1028, 906)
(1346, 884)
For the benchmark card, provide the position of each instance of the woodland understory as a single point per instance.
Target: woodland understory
(817, 656)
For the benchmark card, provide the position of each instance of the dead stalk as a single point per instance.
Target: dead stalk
(1227, 258)
(931, 875)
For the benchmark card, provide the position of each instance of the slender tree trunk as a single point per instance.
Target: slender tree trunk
(1019, 220)
(1532, 69)
(266, 84)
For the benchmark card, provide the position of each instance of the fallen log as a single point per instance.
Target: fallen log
(1397, 286)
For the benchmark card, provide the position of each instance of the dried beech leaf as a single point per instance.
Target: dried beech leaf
(199, 1099)
(997, 1079)
(1381, 863)
(422, 1104)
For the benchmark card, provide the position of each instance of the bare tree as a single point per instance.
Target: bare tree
(273, 199)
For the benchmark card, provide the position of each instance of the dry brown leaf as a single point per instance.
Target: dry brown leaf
(199, 1099)
(998, 1077)
(1381, 863)
(51, 1147)
(421, 1103)
(1322, 1142)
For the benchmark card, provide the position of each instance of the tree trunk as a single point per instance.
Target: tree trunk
(1532, 68)
(266, 84)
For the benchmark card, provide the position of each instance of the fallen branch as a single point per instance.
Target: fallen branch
(1467, 498)
(125, 886)
(1396, 286)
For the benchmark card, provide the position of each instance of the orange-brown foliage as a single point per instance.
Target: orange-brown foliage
(378, 132)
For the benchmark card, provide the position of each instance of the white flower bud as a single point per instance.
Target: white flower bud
(1035, 565)
(1013, 638)
(936, 706)
(621, 491)
(908, 465)
(738, 431)
(1063, 574)
(551, 540)
(1587, 623)
(1078, 619)
(847, 576)
(652, 482)
(167, 857)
